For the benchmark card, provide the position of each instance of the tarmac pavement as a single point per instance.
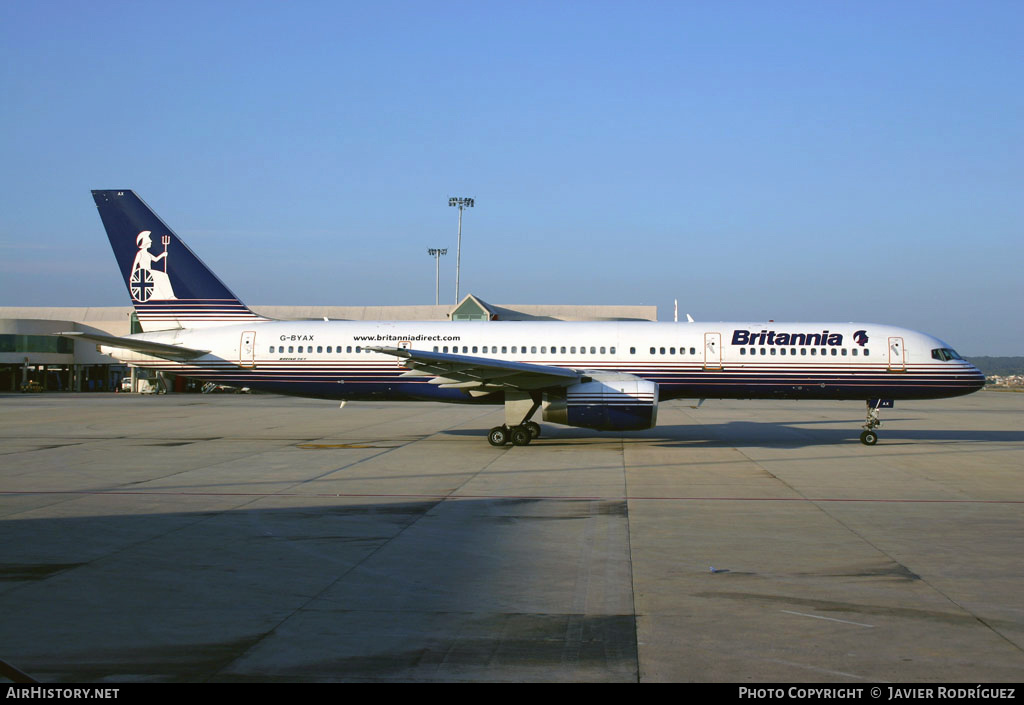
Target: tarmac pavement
(258, 537)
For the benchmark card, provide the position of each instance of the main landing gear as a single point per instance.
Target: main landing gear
(516, 435)
(868, 437)
(517, 429)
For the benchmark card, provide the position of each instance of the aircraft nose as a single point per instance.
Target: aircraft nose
(978, 378)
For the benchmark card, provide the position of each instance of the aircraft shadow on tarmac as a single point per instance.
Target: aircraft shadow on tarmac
(745, 434)
(391, 590)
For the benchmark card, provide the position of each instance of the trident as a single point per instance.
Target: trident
(166, 240)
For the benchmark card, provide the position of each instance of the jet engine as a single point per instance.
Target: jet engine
(606, 402)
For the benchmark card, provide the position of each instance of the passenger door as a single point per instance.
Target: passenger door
(247, 349)
(897, 359)
(712, 351)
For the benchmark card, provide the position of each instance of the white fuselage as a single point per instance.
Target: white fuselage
(715, 360)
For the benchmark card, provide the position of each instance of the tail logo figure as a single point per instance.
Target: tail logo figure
(146, 282)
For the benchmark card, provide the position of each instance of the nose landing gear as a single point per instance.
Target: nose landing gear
(869, 437)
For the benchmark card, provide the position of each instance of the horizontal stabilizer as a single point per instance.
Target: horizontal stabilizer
(146, 347)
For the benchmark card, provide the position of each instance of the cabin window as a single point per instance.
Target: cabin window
(562, 349)
(764, 351)
(602, 350)
(652, 351)
(671, 351)
(803, 351)
(612, 350)
(782, 351)
(792, 351)
(743, 351)
(773, 351)
(435, 348)
(844, 352)
(661, 351)
(319, 348)
(543, 349)
(271, 348)
(330, 348)
(865, 352)
(855, 352)
(632, 351)
(814, 351)
(834, 352)
(533, 349)
(474, 348)
(291, 348)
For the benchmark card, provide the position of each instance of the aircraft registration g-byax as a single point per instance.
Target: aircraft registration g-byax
(599, 375)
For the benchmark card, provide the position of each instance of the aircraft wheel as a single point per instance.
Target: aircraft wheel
(521, 436)
(869, 438)
(534, 428)
(498, 436)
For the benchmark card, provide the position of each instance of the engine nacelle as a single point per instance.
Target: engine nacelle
(606, 402)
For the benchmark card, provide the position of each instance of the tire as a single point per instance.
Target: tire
(869, 438)
(498, 436)
(521, 436)
(534, 428)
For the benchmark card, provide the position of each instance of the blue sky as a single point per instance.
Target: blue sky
(818, 161)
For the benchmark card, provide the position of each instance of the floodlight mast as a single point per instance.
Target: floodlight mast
(436, 254)
(461, 202)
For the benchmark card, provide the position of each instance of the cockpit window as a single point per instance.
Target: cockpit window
(945, 354)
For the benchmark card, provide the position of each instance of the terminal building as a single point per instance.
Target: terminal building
(32, 358)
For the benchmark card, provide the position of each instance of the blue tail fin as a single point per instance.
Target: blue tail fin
(170, 287)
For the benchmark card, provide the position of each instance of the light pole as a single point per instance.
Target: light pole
(461, 203)
(436, 254)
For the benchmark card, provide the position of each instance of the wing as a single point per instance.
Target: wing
(481, 375)
(146, 347)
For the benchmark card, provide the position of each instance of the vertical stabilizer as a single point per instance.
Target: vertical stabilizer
(170, 287)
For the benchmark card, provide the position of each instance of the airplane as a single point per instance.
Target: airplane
(608, 375)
